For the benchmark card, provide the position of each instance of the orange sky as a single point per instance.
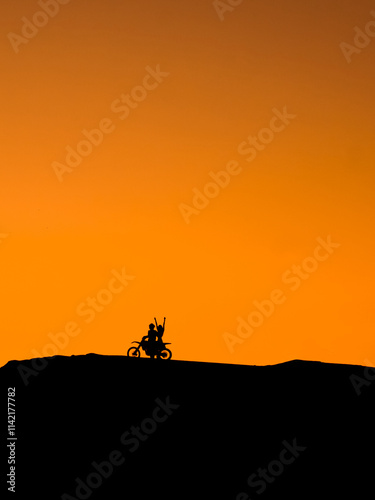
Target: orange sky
(216, 78)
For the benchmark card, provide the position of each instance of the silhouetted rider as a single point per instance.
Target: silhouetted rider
(150, 338)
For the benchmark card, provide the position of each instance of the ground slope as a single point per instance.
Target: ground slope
(119, 428)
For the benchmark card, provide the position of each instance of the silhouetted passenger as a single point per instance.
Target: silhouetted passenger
(160, 330)
(150, 338)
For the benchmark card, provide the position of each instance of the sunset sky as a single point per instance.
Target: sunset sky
(183, 91)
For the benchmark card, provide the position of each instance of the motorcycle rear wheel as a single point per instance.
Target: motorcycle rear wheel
(133, 352)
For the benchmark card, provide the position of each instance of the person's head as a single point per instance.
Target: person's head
(160, 329)
(151, 326)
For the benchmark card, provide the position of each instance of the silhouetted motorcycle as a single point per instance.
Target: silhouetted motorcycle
(157, 349)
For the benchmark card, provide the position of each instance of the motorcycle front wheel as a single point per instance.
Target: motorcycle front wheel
(133, 352)
(165, 354)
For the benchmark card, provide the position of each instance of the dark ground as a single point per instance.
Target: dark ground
(217, 424)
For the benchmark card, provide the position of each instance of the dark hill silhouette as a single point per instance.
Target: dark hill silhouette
(151, 429)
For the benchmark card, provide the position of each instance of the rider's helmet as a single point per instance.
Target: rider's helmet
(151, 326)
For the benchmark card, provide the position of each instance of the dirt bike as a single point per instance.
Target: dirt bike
(158, 349)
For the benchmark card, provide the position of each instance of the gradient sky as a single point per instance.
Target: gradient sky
(120, 207)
